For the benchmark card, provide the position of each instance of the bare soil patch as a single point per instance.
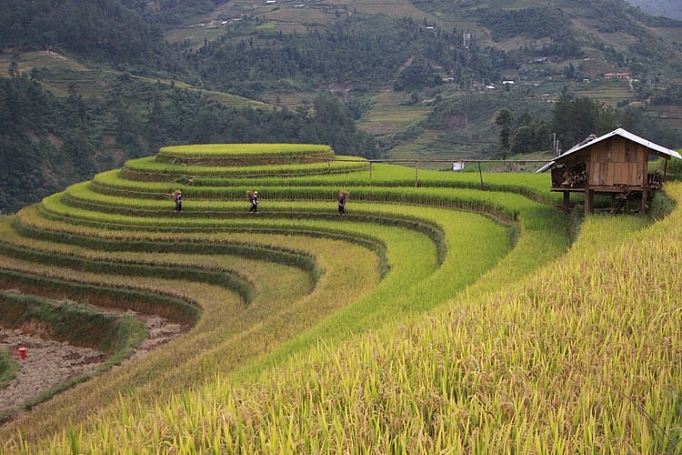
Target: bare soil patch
(50, 363)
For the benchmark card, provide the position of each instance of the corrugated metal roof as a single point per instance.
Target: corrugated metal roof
(617, 132)
(545, 167)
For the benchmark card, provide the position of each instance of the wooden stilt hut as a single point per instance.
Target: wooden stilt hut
(616, 163)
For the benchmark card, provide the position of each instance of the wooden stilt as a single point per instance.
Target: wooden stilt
(589, 201)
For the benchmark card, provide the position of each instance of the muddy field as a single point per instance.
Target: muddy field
(50, 363)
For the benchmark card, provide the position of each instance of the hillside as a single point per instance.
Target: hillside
(667, 8)
(519, 31)
(423, 79)
(471, 45)
(103, 32)
(444, 312)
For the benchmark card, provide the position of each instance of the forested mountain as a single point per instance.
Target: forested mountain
(667, 8)
(172, 12)
(102, 31)
(259, 56)
(367, 51)
(88, 84)
(47, 143)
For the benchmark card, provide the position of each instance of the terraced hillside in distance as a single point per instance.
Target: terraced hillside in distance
(443, 312)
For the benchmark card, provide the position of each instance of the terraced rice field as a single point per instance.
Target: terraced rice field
(386, 119)
(306, 331)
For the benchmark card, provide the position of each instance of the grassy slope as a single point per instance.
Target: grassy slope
(578, 356)
(537, 356)
(388, 301)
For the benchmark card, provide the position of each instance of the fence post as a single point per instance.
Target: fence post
(480, 173)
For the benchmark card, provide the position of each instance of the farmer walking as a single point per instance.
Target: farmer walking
(254, 202)
(342, 203)
(177, 197)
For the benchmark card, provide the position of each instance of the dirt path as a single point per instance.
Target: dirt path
(49, 363)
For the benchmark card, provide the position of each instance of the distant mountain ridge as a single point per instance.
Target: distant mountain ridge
(128, 35)
(143, 74)
(667, 8)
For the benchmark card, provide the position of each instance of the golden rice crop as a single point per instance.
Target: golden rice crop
(480, 339)
(581, 357)
(243, 149)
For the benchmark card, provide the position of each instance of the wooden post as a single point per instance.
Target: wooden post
(589, 201)
(645, 183)
(567, 202)
(370, 169)
(480, 173)
(665, 169)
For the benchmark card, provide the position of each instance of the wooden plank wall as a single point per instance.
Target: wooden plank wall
(616, 163)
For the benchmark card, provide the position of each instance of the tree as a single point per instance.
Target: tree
(504, 119)
(575, 119)
(13, 70)
(524, 140)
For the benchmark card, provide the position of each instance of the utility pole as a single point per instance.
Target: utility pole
(466, 117)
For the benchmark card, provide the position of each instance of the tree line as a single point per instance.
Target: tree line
(572, 120)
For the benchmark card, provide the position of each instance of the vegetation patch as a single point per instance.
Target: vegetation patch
(8, 368)
(244, 154)
(149, 169)
(167, 306)
(433, 287)
(79, 325)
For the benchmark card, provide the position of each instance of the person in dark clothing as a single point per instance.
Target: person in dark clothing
(342, 203)
(178, 201)
(254, 202)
